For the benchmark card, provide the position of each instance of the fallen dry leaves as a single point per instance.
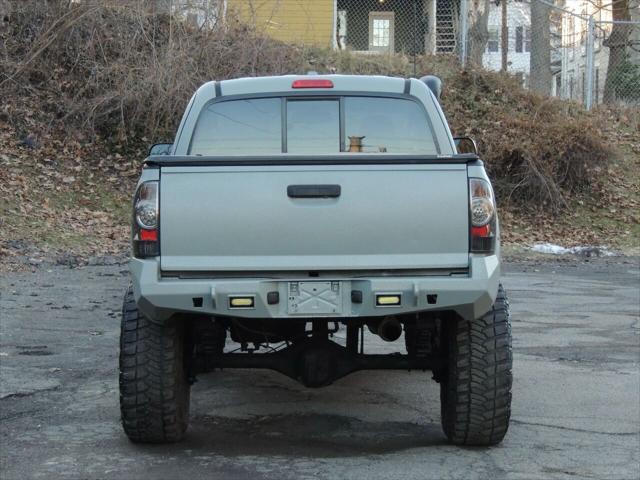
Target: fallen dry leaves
(71, 197)
(57, 198)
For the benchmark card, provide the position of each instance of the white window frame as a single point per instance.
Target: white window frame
(490, 33)
(376, 15)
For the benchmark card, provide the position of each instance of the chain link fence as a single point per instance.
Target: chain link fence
(573, 49)
(412, 27)
(616, 64)
(583, 50)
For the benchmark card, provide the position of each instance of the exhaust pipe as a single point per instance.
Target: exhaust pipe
(389, 329)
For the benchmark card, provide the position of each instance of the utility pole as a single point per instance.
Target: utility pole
(588, 98)
(464, 31)
(505, 35)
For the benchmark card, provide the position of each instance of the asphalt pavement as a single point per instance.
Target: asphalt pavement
(576, 394)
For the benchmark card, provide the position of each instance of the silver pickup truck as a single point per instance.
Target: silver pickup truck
(291, 214)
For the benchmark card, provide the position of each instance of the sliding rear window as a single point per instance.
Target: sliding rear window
(318, 125)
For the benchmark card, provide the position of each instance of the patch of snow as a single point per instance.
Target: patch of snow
(582, 250)
(549, 248)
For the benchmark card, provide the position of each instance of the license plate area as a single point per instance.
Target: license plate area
(315, 298)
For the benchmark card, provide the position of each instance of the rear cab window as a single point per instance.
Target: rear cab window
(239, 127)
(314, 125)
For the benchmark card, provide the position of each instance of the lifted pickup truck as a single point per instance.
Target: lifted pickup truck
(290, 207)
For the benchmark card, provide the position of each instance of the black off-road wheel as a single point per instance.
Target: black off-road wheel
(475, 391)
(154, 388)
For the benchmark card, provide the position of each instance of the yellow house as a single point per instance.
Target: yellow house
(294, 21)
(381, 26)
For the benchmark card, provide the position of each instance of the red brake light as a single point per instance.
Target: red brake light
(149, 235)
(483, 231)
(317, 83)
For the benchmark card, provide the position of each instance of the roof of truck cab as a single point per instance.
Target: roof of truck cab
(283, 83)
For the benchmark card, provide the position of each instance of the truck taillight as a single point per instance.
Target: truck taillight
(146, 220)
(482, 207)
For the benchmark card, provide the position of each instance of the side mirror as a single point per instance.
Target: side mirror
(434, 83)
(466, 145)
(160, 149)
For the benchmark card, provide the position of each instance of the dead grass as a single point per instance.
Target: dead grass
(90, 86)
(125, 74)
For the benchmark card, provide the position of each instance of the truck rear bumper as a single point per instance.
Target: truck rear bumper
(470, 294)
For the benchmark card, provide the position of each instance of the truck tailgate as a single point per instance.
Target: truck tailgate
(241, 218)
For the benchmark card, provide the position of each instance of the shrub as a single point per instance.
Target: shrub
(124, 73)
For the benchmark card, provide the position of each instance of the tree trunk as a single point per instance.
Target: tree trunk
(478, 30)
(617, 43)
(429, 13)
(540, 57)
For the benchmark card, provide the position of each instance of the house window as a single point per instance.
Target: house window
(493, 45)
(523, 39)
(381, 27)
(381, 31)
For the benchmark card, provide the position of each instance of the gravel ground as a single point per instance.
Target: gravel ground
(576, 408)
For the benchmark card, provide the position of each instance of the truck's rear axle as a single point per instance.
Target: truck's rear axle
(318, 362)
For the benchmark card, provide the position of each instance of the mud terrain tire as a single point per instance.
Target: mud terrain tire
(475, 392)
(154, 390)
